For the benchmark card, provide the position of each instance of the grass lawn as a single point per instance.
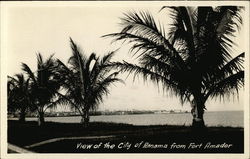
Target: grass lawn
(126, 138)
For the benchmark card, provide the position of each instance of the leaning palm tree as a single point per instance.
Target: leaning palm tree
(86, 81)
(193, 59)
(19, 95)
(44, 85)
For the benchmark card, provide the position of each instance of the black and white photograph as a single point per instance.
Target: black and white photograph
(125, 78)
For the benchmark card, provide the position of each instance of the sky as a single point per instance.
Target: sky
(45, 29)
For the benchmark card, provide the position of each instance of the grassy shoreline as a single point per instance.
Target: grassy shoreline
(151, 136)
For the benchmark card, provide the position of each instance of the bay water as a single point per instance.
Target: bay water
(216, 118)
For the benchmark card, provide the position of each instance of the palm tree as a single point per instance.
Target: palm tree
(19, 95)
(86, 81)
(44, 85)
(193, 59)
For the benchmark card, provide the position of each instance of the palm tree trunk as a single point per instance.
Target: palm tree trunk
(85, 118)
(22, 115)
(197, 112)
(41, 118)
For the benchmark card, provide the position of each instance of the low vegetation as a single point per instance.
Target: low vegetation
(25, 134)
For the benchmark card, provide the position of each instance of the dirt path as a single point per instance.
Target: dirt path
(69, 138)
(14, 148)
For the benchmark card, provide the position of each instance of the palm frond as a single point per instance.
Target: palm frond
(86, 79)
(235, 65)
(63, 69)
(147, 46)
(227, 86)
(39, 59)
(19, 93)
(12, 79)
(194, 59)
(146, 73)
(228, 19)
(28, 71)
(76, 57)
(142, 22)
(182, 27)
(106, 58)
(102, 89)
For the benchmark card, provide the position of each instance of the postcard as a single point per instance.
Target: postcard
(125, 79)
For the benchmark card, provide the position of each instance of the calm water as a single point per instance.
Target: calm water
(227, 118)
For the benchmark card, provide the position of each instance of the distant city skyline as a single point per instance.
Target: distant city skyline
(46, 29)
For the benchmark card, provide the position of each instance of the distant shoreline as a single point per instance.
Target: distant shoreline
(120, 112)
(144, 113)
(213, 118)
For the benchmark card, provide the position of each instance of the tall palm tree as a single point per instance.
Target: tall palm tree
(19, 95)
(86, 81)
(44, 84)
(193, 59)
